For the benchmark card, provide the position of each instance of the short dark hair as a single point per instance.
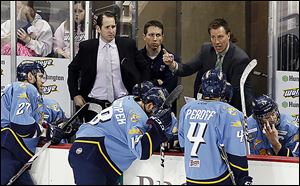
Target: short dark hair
(153, 23)
(107, 14)
(220, 22)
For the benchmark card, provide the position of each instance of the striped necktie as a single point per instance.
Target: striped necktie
(219, 62)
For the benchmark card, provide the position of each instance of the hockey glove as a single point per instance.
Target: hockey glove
(246, 180)
(162, 118)
(54, 133)
(60, 122)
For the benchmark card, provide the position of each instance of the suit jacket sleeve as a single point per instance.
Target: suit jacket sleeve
(73, 75)
(192, 66)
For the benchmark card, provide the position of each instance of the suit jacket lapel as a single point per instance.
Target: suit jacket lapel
(228, 57)
(121, 48)
(94, 53)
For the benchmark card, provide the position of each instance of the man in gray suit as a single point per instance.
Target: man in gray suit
(222, 54)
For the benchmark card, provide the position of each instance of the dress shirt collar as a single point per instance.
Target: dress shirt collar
(102, 43)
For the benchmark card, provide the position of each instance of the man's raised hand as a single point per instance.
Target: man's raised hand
(168, 58)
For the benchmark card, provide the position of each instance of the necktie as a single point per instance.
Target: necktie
(219, 62)
(107, 62)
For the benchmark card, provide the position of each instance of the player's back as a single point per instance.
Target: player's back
(19, 103)
(200, 122)
(118, 124)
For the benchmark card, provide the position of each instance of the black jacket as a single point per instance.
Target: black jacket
(234, 63)
(83, 68)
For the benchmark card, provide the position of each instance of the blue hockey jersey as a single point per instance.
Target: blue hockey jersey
(203, 125)
(21, 117)
(126, 134)
(288, 133)
(52, 110)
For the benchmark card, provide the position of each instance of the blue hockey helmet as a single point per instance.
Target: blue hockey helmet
(28, 66)
(213, 84)
(263, 107)
(228, 93)
(157, 96)
(141, 88)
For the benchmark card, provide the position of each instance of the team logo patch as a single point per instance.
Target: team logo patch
(237, 124)
(78, 151)
(231, 111)
(23, 96)
(134, 118)
(135, 131)
(194, 163)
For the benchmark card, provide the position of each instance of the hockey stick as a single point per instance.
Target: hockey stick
(28, 164)
(224, 155)
(168, 104)
(244, 76)
(63, 126)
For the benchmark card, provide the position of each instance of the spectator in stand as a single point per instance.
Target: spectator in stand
(34, 34)
(61, 40)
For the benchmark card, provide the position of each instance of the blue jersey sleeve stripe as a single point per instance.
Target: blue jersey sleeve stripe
(19, 142)
(100, 149)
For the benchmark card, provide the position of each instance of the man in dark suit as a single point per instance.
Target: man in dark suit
(222, 54)
(107, 67)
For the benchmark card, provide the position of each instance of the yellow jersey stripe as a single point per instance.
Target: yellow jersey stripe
(98, 144)
(22, 146)
(235, 166)
(208, 182)
(150, 143)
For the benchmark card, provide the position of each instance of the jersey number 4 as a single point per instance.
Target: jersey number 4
(195, 136)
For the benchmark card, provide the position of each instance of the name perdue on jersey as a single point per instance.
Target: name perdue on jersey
(195, 114)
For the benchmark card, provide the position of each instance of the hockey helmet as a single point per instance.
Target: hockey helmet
(157, 96)
(213, 84)
(141, 88)
(28, 66)
(263, 106)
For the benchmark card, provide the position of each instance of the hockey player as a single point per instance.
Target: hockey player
(127, 130)
(139, 90)
(204, 127)
(21, 121)
(53, 111)
(271, 132)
